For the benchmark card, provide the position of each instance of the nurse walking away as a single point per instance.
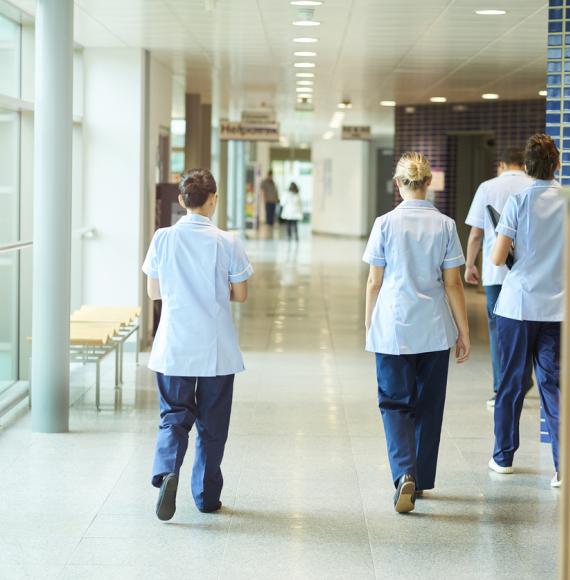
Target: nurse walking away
(529, 310)
(495, 192)
(414, 255)
(196, 269)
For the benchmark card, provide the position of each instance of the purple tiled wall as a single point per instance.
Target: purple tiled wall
(429, 129)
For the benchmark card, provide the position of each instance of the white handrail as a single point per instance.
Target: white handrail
(15, 246)
(84, 233)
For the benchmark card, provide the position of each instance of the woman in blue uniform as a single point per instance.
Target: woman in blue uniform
(530, 307)
(415, 312)
(196, 269)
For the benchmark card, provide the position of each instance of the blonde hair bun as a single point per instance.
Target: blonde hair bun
(413, 170)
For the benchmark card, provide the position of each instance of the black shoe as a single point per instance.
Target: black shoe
(166, 504)
(210, 510)
(405, 496)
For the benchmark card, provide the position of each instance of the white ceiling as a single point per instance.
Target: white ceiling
(368, 50)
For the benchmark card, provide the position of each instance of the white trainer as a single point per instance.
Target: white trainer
(493, 465)
(556, 481)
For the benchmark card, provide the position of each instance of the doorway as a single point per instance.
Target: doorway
(475, 157)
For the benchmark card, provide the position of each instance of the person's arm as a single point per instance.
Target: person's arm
(501, 249)
(153, 288)
(473, 249)
(238, 292)
(456, 298)
(373, 286)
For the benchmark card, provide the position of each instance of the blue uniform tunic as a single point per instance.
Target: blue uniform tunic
(413, 243)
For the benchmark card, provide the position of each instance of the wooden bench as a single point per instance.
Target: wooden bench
(91, 343)
(126, 316)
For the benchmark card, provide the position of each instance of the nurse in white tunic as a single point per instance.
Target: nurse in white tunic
(196, 269)
(415, 312)
(530, 308)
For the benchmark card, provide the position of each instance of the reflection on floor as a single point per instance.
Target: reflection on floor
(307, 489)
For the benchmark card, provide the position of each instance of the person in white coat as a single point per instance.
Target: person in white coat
(292, 210)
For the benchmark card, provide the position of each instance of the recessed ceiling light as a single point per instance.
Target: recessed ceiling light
(306, 2)
(328, 135)
(490, 12)
(306, 40)
(438, 100)
(388, 103)
(490, 96)
(305, 83)
(345, 105)
(304, 89)
(543, 93)
(305, 75)
(306, 23)
(304, 53)
(304, 65)
(410, 110)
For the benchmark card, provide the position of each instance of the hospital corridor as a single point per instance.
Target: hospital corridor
(307, 490)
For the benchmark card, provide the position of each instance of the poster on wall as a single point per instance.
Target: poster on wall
(356, 133)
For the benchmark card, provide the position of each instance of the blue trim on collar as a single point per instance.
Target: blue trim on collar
(417, 204)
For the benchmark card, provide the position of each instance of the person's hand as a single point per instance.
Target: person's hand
(462, 348)
(472, 275)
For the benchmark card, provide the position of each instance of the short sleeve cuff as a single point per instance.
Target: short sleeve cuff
(475, 222)
(455, 262)
(378, 261)
(150, 272)
(241, 276)
(506, 231)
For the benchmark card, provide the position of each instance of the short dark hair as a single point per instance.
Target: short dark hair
(541, 156)
(196, 186)
(293, 187)
(513, 156)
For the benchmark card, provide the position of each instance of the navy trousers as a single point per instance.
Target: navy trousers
(185, 401)
(492, 294)
(518, 340)
(411, 397)
(270, 213)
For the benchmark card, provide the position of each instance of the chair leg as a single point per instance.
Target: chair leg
(97, 385)
(121, 355)
(137, 334)
(117, 367)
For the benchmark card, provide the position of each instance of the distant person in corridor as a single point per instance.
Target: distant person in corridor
(511, 179)
(415, 312)
(270, 197)
(292, 210)
(530, 308)
(196, 269)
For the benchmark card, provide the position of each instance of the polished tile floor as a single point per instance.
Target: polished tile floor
(307, 488)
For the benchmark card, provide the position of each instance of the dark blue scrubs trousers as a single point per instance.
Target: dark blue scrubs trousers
(518, 340)
(411, 397)
(492, 293)
(185, 401)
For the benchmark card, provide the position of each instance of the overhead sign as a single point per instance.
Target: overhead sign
(259, 117)
(359, 132)
(237, 131)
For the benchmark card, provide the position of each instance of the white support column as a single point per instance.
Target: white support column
(52, 215)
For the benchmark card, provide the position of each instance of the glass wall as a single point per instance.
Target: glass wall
(9, 57)
(17, 190)
(9, 232)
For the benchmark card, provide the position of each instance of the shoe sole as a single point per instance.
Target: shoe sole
(166, 505)
(501, 470)
(405, 502)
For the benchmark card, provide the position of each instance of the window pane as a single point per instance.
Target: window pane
(9, 57)
(9, 232)
(9, 131)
